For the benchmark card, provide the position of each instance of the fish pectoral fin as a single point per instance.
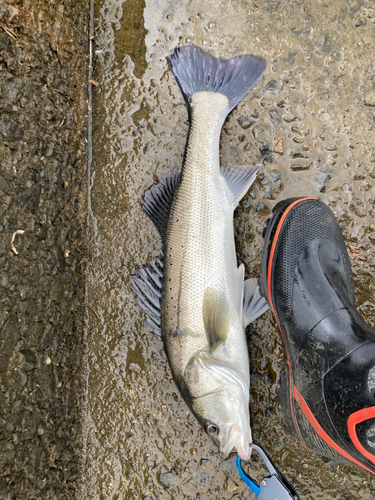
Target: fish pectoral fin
(157, 200)
(253, 303)
(216, 317)
(239, 180)
(147, 284)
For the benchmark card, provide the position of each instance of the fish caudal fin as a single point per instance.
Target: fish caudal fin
(254, 305)
(197, 71)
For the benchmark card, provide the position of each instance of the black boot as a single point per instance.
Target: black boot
(330, 350)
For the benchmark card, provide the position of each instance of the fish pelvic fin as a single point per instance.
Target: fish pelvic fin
(216, 317)
(147, 284)
(195, 71)
(157, 200)
(239, 180)
(254, 305)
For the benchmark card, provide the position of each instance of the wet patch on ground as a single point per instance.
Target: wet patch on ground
(310, 123)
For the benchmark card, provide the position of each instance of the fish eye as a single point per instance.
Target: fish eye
(211, 429)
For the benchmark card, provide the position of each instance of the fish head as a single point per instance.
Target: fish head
(219, 398)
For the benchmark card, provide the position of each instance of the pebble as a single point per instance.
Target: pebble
(290, 118)
(259, 135)
(244, 122)
(370, 99)
(169, 480)
(296, 167)
(279, 147)
(134, 367)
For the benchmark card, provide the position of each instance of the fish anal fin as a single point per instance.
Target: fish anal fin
(216, 317)
(157, 200)
(239, 180)
(254, 305)
(147, 284)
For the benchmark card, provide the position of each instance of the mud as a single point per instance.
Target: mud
(43, 157)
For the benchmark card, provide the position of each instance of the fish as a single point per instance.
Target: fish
(194, 294)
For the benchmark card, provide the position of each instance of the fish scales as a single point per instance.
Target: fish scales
(199, 249)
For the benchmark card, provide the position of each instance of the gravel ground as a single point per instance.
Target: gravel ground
(43, 157)
(310, 122)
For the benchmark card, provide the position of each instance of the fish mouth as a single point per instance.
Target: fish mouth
(239, 440)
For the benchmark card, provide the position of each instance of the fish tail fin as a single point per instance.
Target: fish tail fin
(197, 71)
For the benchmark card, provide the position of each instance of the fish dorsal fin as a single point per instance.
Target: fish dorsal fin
(253, 303)
(216, 317)
(147, 284)
(239, 180)
(157, 200)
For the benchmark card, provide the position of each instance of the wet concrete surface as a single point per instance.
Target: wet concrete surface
(43, 196)
(95, 413)
(310, 122)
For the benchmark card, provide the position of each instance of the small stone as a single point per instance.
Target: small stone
(370, 99)
(275, 117)
(247, 146)
(297, 168)
(261, 208)
(267, 101)
(332, 147)
(359, 175)
(264, 150)
(279, 147)
(272, 85)
(48, 360)
(203, 477)
(290, 118)
(169, 480)
(297, 154)
(244, 122)
(229, 465)
(259, 133)
(134, 367)
(298, 140)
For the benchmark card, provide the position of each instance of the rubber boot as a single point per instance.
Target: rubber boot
(306, 277)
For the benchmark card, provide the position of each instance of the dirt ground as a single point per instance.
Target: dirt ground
(43, 158)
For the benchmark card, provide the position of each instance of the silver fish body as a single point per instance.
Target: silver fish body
(205, 303)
